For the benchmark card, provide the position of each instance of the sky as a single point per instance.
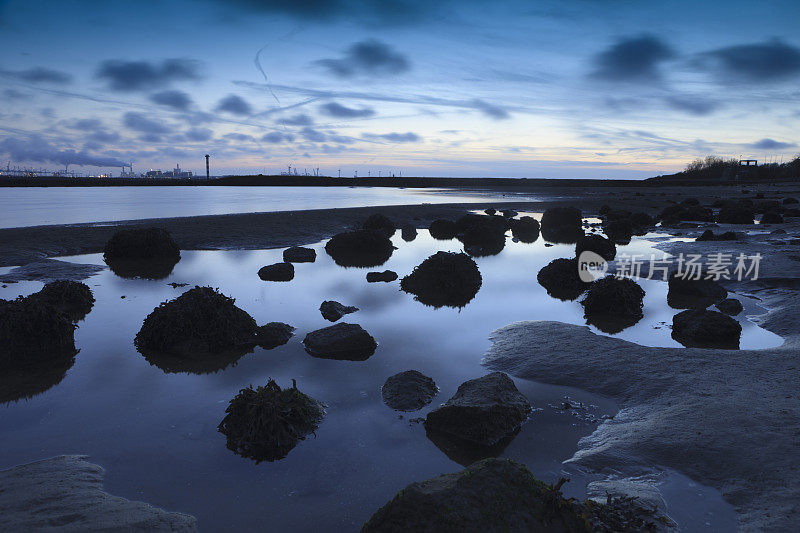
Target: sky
(561, 89)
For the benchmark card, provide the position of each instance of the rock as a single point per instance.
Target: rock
(266, 423)
(444, 279)
(508, 213)
(525, 229)
(482, 411)
(641, 222)
(360, 248)
(341, 341)
(33, 332)
(709, 235)
(735, 214)
(561, 279)
(299, 254)
(700, 328)
(408, 391)
(273, 334)
(787, 201)
(619, 231)
(408, 233)
(767, 206)
(72, 298)
(141, 253)
(380, 223)
(686, 293)
(442, 229)
(562, 224)
(333, 311)
(771, 217)
(277, 272)
(686, 212)
(386, 276)
(603, 247)
(491, 211)
(201, 321)
(481, 235)
(613, 304)
(730, 306)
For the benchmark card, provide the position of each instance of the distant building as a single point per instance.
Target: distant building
(177, 172)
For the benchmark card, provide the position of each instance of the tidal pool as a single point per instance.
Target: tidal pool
(156, 431)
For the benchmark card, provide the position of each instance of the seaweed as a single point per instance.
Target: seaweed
(360, 248)
(72, 298)
(32, 332)
(444, 279)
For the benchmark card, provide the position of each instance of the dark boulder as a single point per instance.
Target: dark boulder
(299, 254)
(687, 293)
(771, 217)
(525, 229)
(333, 311)
(277, 272)
(266, 423)
(380, 223)
(735, 214)
(482, 411)
(72, 298)
(619, 231)
(444, 279)
(561, 279)
(360, 248)
(33, 332)
(385, 276)
(767, 206)
(491, 211)
(408, 233)
(481, 235)
(613, 304)
(641, 222)
(684, 212)
(701, 328)
(408, 391)
(730, 306)
(442, 229)
(603, 247)
(341, 341)
(562, 225)
(788, 201)
(508, 213)
(273, 334)
(149, 253)
(709, 235)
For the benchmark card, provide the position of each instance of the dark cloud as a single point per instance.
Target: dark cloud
(764, 62)
(104, 137)
(312, 135)
(276, 137)
(39, 75)
(334, 109)
(490, 110)
(198, 134)
(130, 76)
(34, 148)
(239, 137)
(368, 57)
(633, 59)
(90, 124)
(407, 137)
(235, 105)
(298, 120)
(172, 98)
(388, 12)
(771, 144)
(13, 94)
(694, 105)
(139, 122)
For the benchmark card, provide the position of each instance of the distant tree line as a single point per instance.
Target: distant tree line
(716, 168)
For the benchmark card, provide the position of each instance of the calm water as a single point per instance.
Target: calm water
(34, 206)
(155, 432)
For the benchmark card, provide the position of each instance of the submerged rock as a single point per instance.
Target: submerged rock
(525, 229)
(482, 411)
(33, 332)
(444, 279)
(380, 223)
(613, 304)
(687, 293)
(701, 328)
(341, 341)
(385, 276)
(333, 311)
(408, 391)
(561, 279)
(73, 298)
(299, 254)
(142, 253)
(360, 248)
(442, 229)
(266, 423)
(562, 224)
(408, 233)
(277, 272)
(603, 247)
(709, 235)
(273, 334)
(730, 306)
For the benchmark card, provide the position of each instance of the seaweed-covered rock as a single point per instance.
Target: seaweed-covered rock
(408, 391)
(386, 276)
(562, 224)
(141, 253)
(735, 213)
(482, 235)
(771, 217)
(598, 244)
(442, 229)
(333, 311)
(360, 248)
(199, 322)
(508, 213)
(444, 279)
(482, 411)
(788, 201)
(408, 233)
(686, 212)
(525, 229)
(380, 223)
(709, 235)
(33, 332)
(341, 341)
(561, 279)
(277, 272)
(767, 206)
(73, 298)
(490, 211)
(641, 222)
(687, 293)
(273, 334)
(619, 231)
(299, 254)
(613, 304)
(701, 328)
(266, 423)
(730, 306)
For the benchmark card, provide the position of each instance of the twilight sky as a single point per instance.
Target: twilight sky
(562, 88)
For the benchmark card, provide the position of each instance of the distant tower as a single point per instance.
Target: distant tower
(207, 171)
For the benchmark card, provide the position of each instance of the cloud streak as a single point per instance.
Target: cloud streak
(366, 58)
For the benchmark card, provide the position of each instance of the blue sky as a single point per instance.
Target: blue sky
(571, 88)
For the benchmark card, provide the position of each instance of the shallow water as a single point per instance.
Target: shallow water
(155, 432)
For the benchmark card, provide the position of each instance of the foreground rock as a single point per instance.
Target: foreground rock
(341, 341)
(687, 293)
(380, 223)
(562, 224)
(442, 229)
(32, 332)
(482, 411)
(277, 272)
(65, 493)
(266, 423)
(444, 279)
(408, 233)
(730, 306)
(598, 244)
(273, 334)
(561, 279)
(481, 235)
(385, 276)
(333, 311)
(72, 298)
(525, 229)
(613, 304)
(142, 252)
(408, 391)
(701, 328)
(736, 213)
(687, 211)
(360, 248)
(299, 254)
